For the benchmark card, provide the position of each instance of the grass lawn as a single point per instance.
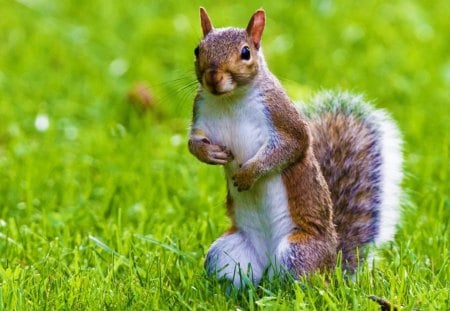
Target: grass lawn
(103, 208)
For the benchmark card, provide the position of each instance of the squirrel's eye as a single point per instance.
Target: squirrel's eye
(245, 53)
(196, 51)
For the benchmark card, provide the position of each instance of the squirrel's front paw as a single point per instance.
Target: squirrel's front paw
(244, 178)
(209, 153)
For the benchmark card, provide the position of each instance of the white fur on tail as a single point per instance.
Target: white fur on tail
(391, 175)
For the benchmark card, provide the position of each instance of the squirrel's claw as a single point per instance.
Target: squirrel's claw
(219, 157)
(219, 154)
(244, 178)
(209, 153)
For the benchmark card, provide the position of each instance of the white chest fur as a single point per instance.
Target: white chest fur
(261, 213)
(241, 125)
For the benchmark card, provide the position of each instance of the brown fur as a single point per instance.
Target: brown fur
(214, 65)
(255, 27)
(205, 21)
(314, 239)
(230, 212)
(351, 189)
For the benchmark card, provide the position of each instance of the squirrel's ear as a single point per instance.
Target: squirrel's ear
(255, 27)
(206, 22)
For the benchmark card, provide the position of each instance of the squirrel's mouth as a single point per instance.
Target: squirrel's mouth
(217, 92)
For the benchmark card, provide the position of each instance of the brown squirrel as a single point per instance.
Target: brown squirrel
(304, 181)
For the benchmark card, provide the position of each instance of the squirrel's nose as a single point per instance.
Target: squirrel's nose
(213, 77)
(218, 81)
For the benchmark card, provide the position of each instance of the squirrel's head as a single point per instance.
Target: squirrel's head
(227, 58)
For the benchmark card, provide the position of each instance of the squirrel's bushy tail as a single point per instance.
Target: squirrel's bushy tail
(359, 149)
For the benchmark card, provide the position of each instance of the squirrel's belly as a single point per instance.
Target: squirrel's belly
(262, 213)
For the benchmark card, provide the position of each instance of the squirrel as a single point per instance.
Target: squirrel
(304, 182)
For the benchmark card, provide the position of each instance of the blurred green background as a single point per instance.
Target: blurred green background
(85, 175)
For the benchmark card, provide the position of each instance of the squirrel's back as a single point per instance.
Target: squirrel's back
(359, 151)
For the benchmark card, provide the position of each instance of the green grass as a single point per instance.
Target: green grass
(106, 209)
